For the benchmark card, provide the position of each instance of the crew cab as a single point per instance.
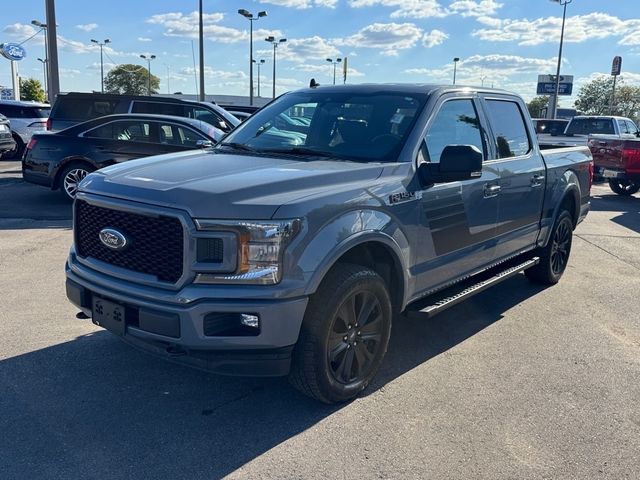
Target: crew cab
(290, 247)
(581, 127)
(617, 161)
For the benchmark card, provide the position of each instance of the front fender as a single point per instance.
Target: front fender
(346, 232)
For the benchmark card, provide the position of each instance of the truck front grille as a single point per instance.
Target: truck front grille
(154, 244)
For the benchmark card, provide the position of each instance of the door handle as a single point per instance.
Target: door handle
(491, 190)
(537, 180)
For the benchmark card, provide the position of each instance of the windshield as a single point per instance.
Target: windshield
(587, 126)
(348, 125)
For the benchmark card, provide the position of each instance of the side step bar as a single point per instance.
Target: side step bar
(457, 293)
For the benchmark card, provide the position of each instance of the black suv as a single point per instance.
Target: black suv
(73, 108)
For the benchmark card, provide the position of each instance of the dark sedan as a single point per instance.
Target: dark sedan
(61, 160)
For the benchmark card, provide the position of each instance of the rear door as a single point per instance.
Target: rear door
(123, 140)
(522, 175)
(459, 217)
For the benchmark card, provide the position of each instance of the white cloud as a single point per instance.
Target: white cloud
(433, 38)
(211, 73)
(95, 66)
(177, 24)
(21, 31)
(471, 8)
(303, 49)
(579, 28)
(406, 8)
(387, 37)
(144, 39)
(302, 3)
(87, 27)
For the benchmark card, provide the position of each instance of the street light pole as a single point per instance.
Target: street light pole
(101, 61)
(248, 15)
(455, 68)
(148, 59)
(553, 110)
(272, 40)
(44, 68)
(337, 61)
(52, 51)
(258, 63)
(201, 54)
(43, 26)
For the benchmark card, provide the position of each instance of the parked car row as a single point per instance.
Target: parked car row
(89, 131)
(26, 118)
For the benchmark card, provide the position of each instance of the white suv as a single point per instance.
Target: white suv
(26, 119)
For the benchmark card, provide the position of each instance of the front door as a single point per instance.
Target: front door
(459, 218)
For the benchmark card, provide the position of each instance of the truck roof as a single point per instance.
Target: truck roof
(403, 87)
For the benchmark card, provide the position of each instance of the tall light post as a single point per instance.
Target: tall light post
(44, 69)
(248, 15)
(148, 59)
(45, 61)
(334, 63)
(101, 61)
(272, 40)
(552, 111)
(455, 68)
(258, 63)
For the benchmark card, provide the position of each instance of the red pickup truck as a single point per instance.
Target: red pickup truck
(618, 161)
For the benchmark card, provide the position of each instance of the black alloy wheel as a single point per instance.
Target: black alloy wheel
(623, 187)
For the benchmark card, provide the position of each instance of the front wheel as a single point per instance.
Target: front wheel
(71, 177)
(344, 335)
(555, 256)
(624, 187)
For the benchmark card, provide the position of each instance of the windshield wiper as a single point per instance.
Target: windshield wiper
(237, 146)
(299, 151)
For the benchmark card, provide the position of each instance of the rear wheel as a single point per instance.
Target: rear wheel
(71, 177)
(344, 336)
(17, 151)
(555, 256)
(624, 187)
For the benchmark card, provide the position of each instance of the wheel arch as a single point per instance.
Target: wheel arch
(76, 160)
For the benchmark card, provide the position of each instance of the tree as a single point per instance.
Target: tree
(31, 89)
(595, 98)
(129, 79)
(537, 105)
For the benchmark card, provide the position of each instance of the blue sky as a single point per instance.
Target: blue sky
(506, 43)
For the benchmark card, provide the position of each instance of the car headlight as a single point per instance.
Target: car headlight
(261, 246)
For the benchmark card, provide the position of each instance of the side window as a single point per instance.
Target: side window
(209, 117)
(179, 136)
(633, 129)
(128, 130)
(622, 125)
(511, 138)
(158, 108)
(456, 123)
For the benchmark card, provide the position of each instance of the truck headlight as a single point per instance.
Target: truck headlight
(261, 245)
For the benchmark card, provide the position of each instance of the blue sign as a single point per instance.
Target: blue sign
(12, 51)
(549, 88)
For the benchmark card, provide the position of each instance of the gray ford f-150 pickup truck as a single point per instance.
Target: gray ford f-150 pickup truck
(291, 246)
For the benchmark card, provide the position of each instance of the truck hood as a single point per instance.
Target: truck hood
(225, 186)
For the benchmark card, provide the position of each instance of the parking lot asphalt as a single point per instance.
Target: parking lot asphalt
(519, 382)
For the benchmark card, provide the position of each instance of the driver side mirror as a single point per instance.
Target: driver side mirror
(204, 143)
(457, 163)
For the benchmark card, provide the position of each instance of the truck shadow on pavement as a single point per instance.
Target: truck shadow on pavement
(96, 408)
(629, 208)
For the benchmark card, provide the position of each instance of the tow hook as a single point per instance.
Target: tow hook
(175, 351)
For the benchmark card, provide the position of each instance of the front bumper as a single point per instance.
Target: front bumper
(177, 332)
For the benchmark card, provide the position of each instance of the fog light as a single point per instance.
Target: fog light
(250, 320)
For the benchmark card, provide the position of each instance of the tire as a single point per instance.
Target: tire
(555, 256)
(18, 150)
(333, 342)
(624, 187)
(70, 177)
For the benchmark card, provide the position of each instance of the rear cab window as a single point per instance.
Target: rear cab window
(587, 126)
(509, 130)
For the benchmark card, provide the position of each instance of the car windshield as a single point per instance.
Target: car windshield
(344, 125)
(587, 126)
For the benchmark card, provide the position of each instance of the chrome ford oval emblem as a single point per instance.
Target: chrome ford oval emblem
(113, 239)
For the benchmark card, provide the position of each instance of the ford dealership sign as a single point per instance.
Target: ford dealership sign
(12, 51)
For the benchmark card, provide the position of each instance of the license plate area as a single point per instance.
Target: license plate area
(109, 315)
(612, 174)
